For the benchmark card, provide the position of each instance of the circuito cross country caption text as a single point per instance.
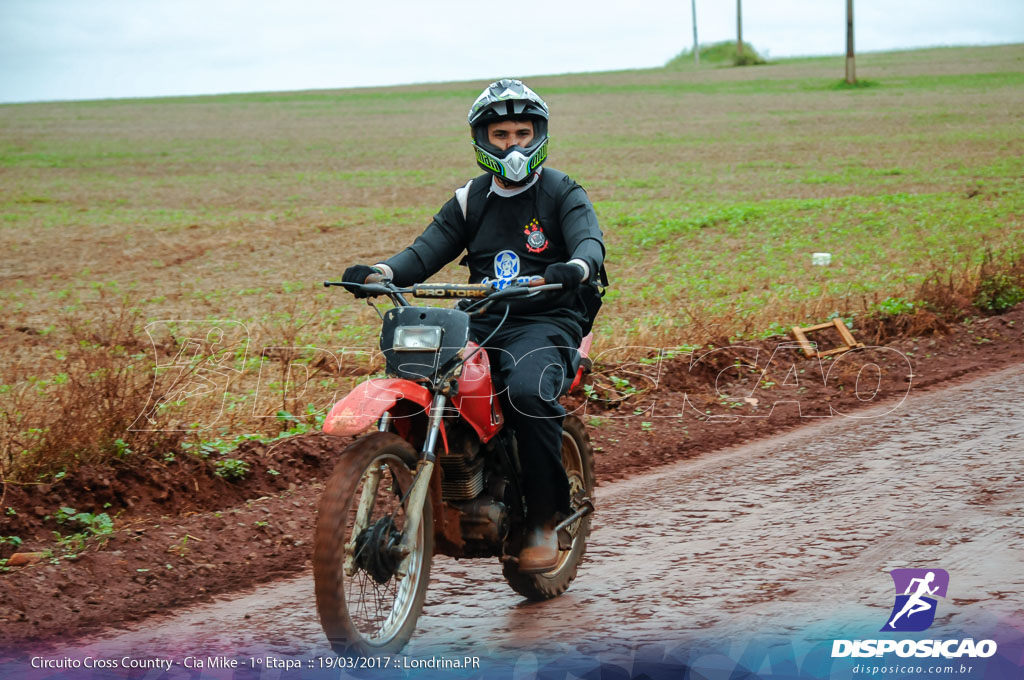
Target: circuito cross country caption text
(230, 663)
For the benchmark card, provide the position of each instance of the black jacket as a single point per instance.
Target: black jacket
(511, 238)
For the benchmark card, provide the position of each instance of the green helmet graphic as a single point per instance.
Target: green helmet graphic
(509, 99)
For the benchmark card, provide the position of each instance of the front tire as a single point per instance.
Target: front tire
(364, 607)
(578, 461)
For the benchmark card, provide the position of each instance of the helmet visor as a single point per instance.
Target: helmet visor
(516, 163)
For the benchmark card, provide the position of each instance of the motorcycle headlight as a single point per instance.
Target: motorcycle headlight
(417, 338)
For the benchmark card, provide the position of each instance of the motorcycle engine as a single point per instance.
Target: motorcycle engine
(484, 521)
(462, 469)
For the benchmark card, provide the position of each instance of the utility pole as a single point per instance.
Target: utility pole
(696, 45)
(851, 75)
(739, 28)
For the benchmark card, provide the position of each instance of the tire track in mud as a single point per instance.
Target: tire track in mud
(784, 535)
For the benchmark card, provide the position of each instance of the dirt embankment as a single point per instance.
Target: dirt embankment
(181, 535)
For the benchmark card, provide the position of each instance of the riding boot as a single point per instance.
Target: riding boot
(540, 550)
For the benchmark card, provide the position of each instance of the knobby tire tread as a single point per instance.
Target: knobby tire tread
(547, 586)
(329, 546)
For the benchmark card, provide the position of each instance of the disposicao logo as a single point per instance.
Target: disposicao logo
(913, 611)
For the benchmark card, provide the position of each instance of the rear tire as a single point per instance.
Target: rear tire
(369, 610)
(578, 460)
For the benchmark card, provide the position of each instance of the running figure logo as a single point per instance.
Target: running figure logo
(914, 609)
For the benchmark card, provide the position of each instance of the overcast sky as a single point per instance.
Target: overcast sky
(90, 49)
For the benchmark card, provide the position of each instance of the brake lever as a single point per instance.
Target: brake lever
(383, 287)
(543, 287)
(376, 289)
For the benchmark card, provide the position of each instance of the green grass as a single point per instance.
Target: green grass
(713, 187)
(740, 257)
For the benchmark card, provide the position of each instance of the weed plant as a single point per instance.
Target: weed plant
(179, 216)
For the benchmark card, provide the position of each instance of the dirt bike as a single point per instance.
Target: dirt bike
(439, 475)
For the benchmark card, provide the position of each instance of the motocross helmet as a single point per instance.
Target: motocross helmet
(509, 99)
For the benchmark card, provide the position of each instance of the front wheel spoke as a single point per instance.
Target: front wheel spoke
(379, 610)
(361, 604)
(373, 605)
(365, 520)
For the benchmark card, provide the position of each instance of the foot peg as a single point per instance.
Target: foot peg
(588, 508)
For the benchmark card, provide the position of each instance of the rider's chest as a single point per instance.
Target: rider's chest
(521, 228)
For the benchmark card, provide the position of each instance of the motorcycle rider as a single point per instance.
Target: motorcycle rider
(516, 222)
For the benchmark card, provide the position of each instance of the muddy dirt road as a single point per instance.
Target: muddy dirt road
(789, 536)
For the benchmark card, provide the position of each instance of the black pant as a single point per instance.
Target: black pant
(534, 362)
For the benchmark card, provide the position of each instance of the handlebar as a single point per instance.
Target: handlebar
(377, 285)
(483, 294)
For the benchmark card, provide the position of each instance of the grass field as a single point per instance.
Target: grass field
(713, 187)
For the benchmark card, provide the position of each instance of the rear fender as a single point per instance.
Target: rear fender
(363, 406)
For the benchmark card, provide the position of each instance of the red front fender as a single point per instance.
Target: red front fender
(369, 401)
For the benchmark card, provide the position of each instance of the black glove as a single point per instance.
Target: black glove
(357, 273)
(569, 275)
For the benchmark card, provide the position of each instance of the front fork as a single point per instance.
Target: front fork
(366, 500)
(421, 483)
(417, 494)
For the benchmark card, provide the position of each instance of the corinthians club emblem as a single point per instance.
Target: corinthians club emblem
(536, 239)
